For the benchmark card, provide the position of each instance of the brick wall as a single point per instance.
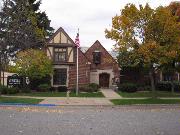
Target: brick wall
(84, 72)
(107, 61)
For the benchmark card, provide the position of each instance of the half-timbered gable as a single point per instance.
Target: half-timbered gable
(61, 48)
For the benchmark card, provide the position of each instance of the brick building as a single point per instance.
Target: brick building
(96, 65)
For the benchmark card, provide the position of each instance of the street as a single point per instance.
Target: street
(90, 120)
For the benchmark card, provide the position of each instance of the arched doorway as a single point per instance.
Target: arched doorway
(104, 80)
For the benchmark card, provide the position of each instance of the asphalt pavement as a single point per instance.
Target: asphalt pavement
(90, 120)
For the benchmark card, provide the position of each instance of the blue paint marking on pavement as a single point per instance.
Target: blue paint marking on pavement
(20, 104)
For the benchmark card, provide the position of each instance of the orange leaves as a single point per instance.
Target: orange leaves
(150, 52)
(172, 54)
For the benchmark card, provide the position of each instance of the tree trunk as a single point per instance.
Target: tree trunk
(0, 70)
(172, 86)
(3, 77)
(151, 75)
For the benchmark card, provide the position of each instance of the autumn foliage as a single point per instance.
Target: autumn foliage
(149, 36)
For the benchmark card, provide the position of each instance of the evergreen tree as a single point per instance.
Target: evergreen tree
(24, 25)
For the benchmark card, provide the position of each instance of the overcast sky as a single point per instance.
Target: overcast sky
(92, 17)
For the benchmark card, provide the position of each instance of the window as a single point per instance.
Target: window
(60, 76)
(97, 57)
(60, 54)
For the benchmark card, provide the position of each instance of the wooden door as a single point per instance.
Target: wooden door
(104, 80)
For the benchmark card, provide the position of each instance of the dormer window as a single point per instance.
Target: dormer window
(97, 57)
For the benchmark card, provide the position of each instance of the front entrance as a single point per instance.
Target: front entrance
(104, 80)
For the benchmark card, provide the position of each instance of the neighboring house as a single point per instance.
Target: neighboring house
(96, 65)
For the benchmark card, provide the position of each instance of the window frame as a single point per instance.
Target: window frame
(65, 53)
(58, 82)
(95, 61)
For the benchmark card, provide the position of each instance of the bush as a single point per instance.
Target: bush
(34, 83)
(12, 90)
(147, 88)
(166, 86)
(94, 86)
(86, 89)
(6, 90)
(52, 89)
(3, 89)
(62, 89)
(44, 87)
(25, 90)
(128, 87)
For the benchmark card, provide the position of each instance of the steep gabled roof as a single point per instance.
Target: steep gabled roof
(98, 43)
(64, 32)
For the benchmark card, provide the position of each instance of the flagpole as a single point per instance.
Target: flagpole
(77, 70)
(77, 74)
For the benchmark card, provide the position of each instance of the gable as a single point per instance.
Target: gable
(61, 37)
(107, 58)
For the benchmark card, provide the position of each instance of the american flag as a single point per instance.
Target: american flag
(77, 42)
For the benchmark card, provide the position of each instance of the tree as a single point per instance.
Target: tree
(25, 26)
(22, 26)
(3, 46)
(151, 35)
(42, 19)
(34, 64)
(175, 9)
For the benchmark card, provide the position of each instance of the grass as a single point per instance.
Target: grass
(59, 94)
(19, 100)
(144, 101)
(148, 94)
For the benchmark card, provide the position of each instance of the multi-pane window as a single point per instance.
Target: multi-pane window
(60, 76)
(60, 54)
(97, 57)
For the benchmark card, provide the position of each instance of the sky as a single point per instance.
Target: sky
(92, 17)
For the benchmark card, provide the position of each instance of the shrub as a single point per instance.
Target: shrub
(128, 87)
(52, 89)
(147, 88)
(3, 89)
(166, 86)
(142, 87)
(34, 83)
(62, 89)
(6, 90)
(12, 90)
(44, 87)
(86, 89)
(94, 86)
(25, 90)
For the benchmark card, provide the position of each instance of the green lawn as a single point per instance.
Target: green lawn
(19, 100)
(144, 101)
(59, 94)
(148, 94)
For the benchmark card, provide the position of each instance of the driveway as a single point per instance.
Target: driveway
(91, 120)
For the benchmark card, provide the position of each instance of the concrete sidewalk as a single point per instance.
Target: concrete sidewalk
(70, 100)
(110, 94)
(76, 101)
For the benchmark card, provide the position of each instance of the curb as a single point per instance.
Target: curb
(20, 104)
